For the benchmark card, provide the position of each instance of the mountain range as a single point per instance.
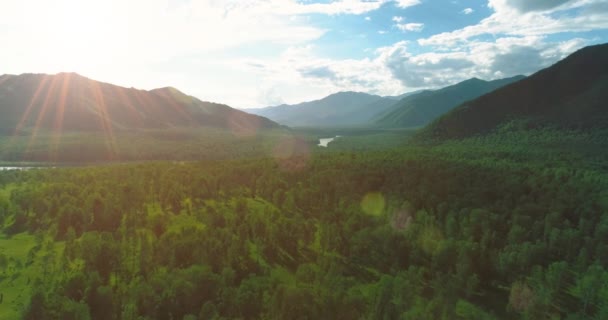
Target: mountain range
(71, 102)
(420, 109)
(338, 109)
(412, 109)
(571, 94)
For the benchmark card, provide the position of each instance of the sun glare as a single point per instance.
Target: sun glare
(82, 36)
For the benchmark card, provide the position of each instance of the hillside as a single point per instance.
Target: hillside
(405, 95)
(571, 94)
(422, 108)
(339, 109)
(70, 102)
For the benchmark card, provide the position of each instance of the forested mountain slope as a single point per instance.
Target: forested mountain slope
(339, 109)
(70, 102)
(422, 108)
(571, 94)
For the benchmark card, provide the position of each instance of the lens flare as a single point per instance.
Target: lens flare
(401, 220)
(242, 125)
(430, 240)
(26, 114)
(291, 153)
(178, 101)
(373, 203)
(136, 115)
(104, 120)
(48, 101)
(59, 116)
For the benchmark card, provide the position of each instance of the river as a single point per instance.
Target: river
(15, 168)
(323, 142)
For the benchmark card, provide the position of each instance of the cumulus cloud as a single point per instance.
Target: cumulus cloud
(519, 60)
(523, 6)
(335, 7)
(516, 18)
(518, 44)
(196, 45)
(425, 70)
(153, 43)
(410, 26)
(483, 59)
(322, 72)
(270, 97)
(114, 30)
(407, 3)
(302, 75)
(407, 26)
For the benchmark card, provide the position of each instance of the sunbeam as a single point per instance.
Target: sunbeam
(178, 107)
(24, 117)
(138, 116)
(4, 78)
(104, 119)
(143, 100)
(33, 101)
(42, 112)
(59, 116)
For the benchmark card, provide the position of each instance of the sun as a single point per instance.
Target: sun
(83, 35)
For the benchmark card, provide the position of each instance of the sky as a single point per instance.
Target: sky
(255, 53)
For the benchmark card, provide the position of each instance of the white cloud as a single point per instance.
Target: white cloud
(519, 46)
(336, 7)
(200, 46)
(504, 57)
(537, 20)
(270, 96)
(72, 33)
(154, 43)
(410, 26)
(467, 11)
(417, 27)
(524, 6)
(302, 76)
(407, 3)
(368, 18)
(152, 29)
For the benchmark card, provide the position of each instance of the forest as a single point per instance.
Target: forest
(512, 225)
(304, 160)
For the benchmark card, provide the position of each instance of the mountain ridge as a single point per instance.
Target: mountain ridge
(68, 101)
(571, 94)
(420, 109)
(338, 109)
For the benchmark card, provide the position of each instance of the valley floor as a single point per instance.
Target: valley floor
(484, 228)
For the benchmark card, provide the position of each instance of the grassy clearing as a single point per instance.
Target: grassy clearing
(22, 260)
(15, 275)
